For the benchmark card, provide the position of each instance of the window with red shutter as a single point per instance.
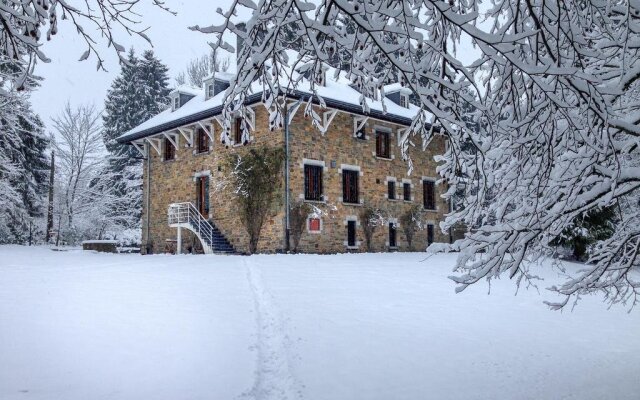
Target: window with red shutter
(203, 141)
(429, 195)
(237, 134)
(350, 186)
(383, 144)
(314, 224)
(313, 182)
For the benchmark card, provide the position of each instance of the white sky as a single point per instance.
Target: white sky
(79, 82)
(67, 79)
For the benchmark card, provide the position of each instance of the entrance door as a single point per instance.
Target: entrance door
(202, 195)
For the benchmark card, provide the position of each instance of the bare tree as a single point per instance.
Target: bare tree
(80, 155)
(200, 68)
(555, 92)
(24, 24)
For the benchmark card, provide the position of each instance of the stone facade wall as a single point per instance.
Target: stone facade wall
(173, 181)
(339, 147)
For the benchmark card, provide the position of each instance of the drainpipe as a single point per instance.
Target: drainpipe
(148, 199)
(286, 177)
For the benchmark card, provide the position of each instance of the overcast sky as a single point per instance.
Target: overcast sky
(67, 79)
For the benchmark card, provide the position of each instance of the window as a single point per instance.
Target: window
(202, 195)
(169, 150)
(176, 102)
(404, 101)
(391, 190)
(202, 141)
(429, 195)
(313, 182)
(314, 225)
(429, 234)
(406, 191)
(392, 235)
(382, 144)
(237, 133)
(210, 90)
(350, 186)
(361, 134)
(351, 233)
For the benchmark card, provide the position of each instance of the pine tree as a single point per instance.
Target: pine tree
(23, 174)
(137, 94)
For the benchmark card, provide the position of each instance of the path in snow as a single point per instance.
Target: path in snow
(273, 375)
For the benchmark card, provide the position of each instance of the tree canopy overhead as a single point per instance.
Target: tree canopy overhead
(554, 127)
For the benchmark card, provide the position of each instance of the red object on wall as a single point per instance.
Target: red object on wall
(314, 224)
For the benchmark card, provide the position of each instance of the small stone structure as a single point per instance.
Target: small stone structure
(102, 246)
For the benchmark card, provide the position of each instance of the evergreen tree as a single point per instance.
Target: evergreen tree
(23, 174)
(137, 94)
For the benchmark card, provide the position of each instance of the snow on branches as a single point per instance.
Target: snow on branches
(542, 127)
(24, 23)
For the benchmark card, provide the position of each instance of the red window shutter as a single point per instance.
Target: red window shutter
(314, 224)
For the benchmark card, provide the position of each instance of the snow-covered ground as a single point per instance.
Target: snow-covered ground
(77, 325)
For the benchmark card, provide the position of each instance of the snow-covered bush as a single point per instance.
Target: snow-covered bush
(257, 178)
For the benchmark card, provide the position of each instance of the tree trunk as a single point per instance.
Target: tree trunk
(50, 206)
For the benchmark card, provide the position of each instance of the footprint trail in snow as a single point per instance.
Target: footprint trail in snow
(273, 376)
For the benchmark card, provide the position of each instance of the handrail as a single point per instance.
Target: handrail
(187, 213)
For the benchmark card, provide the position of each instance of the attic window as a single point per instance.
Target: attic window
(176, 103)
(210, 90)
(404, 100)
(321, 78)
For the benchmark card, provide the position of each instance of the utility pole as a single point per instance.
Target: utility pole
(50, 206)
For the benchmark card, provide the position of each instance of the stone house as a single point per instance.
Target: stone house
(355, 164)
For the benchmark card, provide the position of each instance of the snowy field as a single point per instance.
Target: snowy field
(77, 325)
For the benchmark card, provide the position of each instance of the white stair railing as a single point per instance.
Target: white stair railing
(187, 214)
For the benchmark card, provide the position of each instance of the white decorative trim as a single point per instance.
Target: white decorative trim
(317, 163)
(359, 123)
(140, 149)
(293, 109)
(200, 174)
(351, 218)
(349, 167)
(327, 117)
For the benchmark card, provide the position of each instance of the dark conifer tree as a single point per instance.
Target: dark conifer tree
(137, 94)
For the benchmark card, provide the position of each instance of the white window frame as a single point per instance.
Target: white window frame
(404, 100)
(350, 167)
(346, 224)
(395, 222)
(316, 163)
(413, 192)
(175, 102)
(395, 181)
(435, 196)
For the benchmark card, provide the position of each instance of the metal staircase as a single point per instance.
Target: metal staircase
(186, 215)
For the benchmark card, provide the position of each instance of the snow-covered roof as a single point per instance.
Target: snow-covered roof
(396, 87)
(336, 93)
(186, 89)
(222, 75)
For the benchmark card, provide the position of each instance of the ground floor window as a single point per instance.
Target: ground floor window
(429, 234)
(392, 235)
(351, 233)
(202, 195)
